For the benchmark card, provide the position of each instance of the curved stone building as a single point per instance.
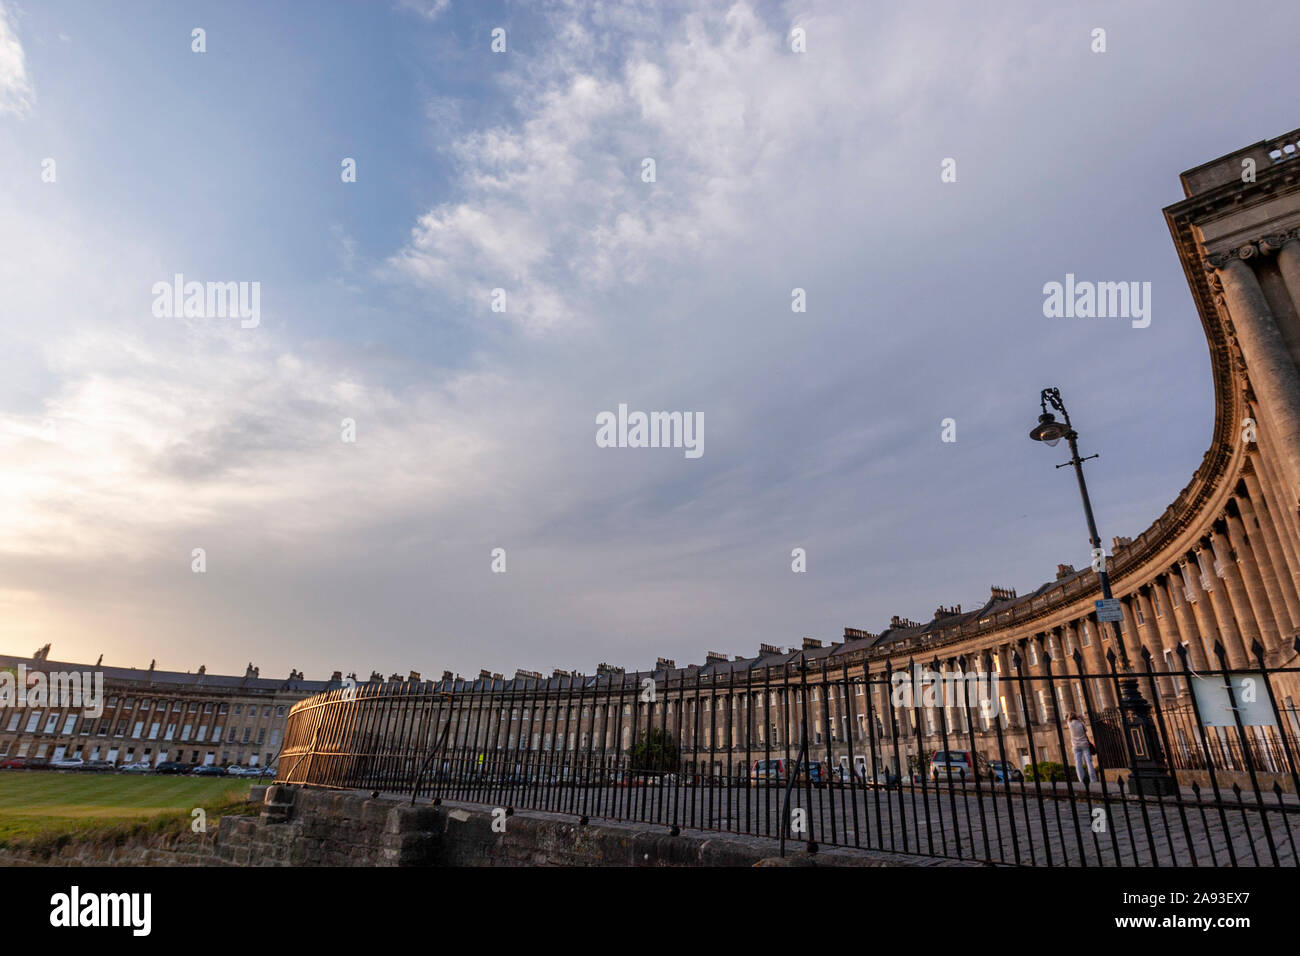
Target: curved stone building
(1218, 573)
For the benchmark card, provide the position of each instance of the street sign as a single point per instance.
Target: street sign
(1108, 610)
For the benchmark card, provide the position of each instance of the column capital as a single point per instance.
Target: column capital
(1265, 245)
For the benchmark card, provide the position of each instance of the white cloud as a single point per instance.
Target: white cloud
(429, 9)
(16, 94)
(163, 436)
(553, 207)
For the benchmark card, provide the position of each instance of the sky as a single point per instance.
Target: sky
(129, 439)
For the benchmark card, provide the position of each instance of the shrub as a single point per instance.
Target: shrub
(1049, 771)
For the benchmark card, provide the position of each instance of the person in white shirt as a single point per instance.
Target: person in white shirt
(1082, 750)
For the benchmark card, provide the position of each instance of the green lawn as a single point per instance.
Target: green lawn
(41, 804)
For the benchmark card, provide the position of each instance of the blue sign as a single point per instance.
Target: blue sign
(1108, 610)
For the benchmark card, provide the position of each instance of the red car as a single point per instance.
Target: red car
(24, 763)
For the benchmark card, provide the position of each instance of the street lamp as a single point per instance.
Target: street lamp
(1148, 774)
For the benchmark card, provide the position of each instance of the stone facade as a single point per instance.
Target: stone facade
(150, 716)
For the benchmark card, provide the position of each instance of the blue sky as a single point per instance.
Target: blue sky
(128, 440)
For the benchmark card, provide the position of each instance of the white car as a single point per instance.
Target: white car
(134, 768)
(238, 771)
(67, 763)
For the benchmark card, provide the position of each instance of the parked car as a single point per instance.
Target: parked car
(134, 768)
(24, 763)
(888, 779)
(622, 778)
(776, 771)
(209, 770)
(171, 766)
(844, 777)
(67, 763)
(98, 766)
(957, 767)
(1004, 771)
(237, 771)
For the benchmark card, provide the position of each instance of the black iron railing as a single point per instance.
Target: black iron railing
(821, 753)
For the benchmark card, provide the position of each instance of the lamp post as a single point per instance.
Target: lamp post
(1148, 773)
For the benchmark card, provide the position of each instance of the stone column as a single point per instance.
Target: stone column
(1006, 685)
(1261, 590)
(1042, 715)
(1095, 654)
(1130, 634)
(1054, 643)
(1286, 518)
(1288, 263)
(1216, 596)
(1229, 566)
(1028, 709)
(1273, 375)
(1258, 524)
(1073, 641)
(1171, 625)
(1272, 513)
(1155, 638)
(1198, 606)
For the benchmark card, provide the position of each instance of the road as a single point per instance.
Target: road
(1010, 826)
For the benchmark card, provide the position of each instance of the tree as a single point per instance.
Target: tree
(656, 751)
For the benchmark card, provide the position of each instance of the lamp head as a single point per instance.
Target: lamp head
(1048, 429)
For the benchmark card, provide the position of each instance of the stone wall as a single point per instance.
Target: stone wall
(302, 827)
(177, 849)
